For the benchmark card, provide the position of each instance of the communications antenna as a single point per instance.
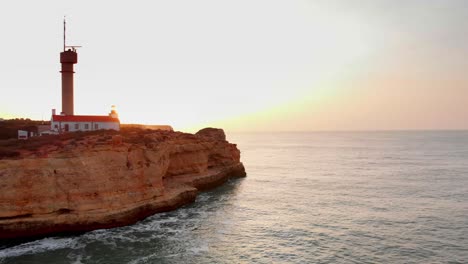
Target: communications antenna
(73, 48)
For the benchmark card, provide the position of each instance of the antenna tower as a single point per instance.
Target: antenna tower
(64, 32)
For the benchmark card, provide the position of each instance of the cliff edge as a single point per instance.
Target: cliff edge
(85, 181)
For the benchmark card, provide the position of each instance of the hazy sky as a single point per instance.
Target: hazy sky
(243, 65)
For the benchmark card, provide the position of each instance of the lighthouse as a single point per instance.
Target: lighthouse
(67, 121)
(68, 58)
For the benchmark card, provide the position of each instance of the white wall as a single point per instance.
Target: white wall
(23, 134)
(81, 126)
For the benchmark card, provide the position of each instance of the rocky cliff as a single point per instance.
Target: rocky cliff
(92, 181)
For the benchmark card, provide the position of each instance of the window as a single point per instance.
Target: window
(86, 126)
(96, 126)
(77, 126)
(56, 126)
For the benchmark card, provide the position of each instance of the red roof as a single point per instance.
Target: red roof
(83, 118)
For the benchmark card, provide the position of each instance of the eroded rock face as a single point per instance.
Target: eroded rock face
(215, 133)
(102, 181)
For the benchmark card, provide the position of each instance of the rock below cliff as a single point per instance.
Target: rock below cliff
(85, 181)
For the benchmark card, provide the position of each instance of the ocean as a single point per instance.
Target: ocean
(318, 197)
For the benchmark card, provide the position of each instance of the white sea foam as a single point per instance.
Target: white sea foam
(200, 248)
(39, 246)
(144, 259)
(77, 260)
(203, 198)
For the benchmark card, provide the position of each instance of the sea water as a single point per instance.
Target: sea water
(321, 197)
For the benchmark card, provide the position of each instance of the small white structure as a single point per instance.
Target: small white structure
(24, 134)
(72, 123)
(44, 130)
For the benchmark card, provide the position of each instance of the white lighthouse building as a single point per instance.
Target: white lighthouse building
(71, 123)
(67, 121)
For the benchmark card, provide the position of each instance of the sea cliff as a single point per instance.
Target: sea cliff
(91, 181)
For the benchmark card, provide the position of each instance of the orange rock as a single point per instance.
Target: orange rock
(116, 140)
(86, 187)
(215, 133)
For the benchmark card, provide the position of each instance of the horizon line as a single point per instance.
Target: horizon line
(355, 130)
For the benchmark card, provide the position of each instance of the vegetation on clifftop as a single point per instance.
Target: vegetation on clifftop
(9, 128)
(41, 145)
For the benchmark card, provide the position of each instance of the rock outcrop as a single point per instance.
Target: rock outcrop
(214, 133)
(102, 180)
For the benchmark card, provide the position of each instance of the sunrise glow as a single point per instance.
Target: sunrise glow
(300, 65)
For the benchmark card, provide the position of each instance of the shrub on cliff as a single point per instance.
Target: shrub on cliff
(8, 153)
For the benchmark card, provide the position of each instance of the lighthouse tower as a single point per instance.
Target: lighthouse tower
(67, 121)
(67, 58)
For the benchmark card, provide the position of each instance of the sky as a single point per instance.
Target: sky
(257, 65)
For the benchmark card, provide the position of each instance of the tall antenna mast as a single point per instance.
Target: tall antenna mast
(64, 30)
(72, 48)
